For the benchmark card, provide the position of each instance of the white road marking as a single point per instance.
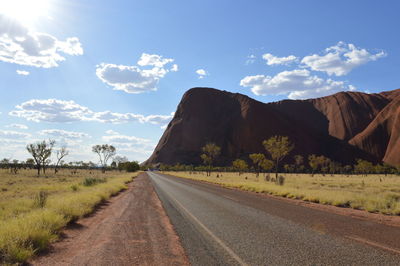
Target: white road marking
(374, 244)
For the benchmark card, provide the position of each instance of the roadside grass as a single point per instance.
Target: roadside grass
(373, 193)
(34, 209)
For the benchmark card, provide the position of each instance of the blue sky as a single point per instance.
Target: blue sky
(91, 72)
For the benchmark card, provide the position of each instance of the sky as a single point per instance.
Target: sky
(86, 72)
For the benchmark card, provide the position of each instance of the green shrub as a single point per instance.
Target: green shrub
(91, 181)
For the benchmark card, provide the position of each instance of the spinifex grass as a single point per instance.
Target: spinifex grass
(34, 209)
(373, 193)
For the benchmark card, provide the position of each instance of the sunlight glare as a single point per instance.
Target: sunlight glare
(25, 11)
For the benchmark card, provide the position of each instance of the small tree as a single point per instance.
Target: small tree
(318, 163)
(298, 162)
(105, 152)
(61, 153)
(132, 166)
(29, 163)
(363, 167)
(41, 151)
(314, 163)
(210, 153)
(240, 165)
(119, 160)
(278, 147)
(267, 165)
(258, 160)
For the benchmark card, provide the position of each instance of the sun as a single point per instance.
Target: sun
(25, 11)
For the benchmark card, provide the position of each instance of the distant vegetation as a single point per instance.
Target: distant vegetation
(279, 148)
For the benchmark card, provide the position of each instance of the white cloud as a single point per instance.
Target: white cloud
(20, 45)
(133, 79)
(63, 134)
(174, 68)
(111, 132)
(158, 119)
(202, 73)
(340, 59)
(23, 72)
(250, 59)
(118, 138)
(60, 111)
(153, 60)
(298, 84)
(19, 126)
(274, 60)
(52, 110)
(8, 134)
(140, 147)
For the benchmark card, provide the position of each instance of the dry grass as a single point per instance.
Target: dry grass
(373, 193)
(27, 227)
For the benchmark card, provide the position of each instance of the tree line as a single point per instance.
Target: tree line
(41, 159)
(277, 149)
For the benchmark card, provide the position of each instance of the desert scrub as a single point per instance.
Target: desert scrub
(29, 223)
(91, 181)
(40, 198)
(373, 193)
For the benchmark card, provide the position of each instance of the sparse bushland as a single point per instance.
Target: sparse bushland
(374, 193)
(33, 210)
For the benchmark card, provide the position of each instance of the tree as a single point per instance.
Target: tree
(61, 153)
(30, 163)
(132, 166)
(5, 163)
(298, 162)
(318, 163)
(313, 162)
(334, 167)
(258, 159)
(289, 168)
(41, 151)
(119, 160)
(210, 153)
(240, 165)
(347, 169)
(278, 147)
(363, 167)
(267, 165)
(105, 152)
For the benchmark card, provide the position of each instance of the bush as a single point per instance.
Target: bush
(280, 180)
(39, 200)
(74, 187)
(129, 166)
(91, 181)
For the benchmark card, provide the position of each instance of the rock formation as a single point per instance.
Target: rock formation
(344, 126)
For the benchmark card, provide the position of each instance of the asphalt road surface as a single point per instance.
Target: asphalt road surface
(219, 226)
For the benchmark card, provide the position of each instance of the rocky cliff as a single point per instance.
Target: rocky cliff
(343, 126)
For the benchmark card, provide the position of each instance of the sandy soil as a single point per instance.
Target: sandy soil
(130, 229)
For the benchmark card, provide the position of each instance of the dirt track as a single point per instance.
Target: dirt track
(130, 229)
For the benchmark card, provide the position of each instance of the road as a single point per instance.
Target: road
(219, 226)
(129, 229)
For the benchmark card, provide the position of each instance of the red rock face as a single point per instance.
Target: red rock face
(238, 124)
(382, 136)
